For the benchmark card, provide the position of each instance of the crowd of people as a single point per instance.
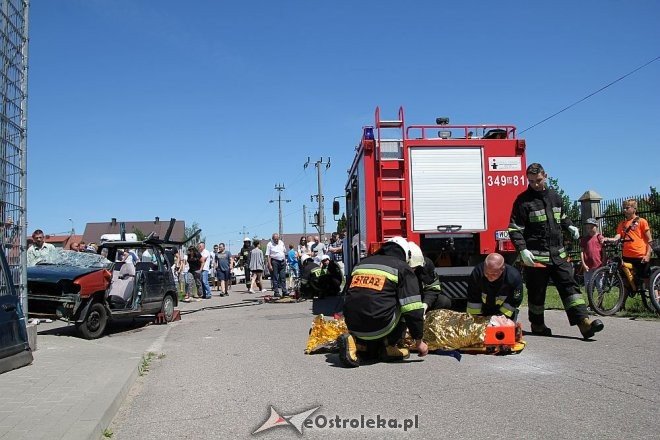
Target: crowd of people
(310, 268)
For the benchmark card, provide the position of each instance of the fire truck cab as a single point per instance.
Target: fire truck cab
(449, 188)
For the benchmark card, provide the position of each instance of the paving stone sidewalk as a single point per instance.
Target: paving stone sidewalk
(74, 387)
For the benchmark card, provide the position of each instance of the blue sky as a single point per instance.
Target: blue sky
(196, 110)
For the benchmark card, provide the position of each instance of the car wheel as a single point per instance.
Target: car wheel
(95, 322)
(167, 309)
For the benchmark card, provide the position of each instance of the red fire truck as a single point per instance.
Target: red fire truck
(449, 188)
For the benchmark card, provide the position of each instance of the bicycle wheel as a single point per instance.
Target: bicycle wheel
(606, 291)
(654, 289)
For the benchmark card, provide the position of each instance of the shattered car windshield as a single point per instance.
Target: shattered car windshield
(62, 257)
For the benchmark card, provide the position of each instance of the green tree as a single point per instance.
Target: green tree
(571, 208)
(341, 223)
(138, 232)
(189, 231)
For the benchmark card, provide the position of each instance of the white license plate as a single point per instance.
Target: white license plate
(501, 235)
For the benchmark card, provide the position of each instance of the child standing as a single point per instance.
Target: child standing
(592, 249)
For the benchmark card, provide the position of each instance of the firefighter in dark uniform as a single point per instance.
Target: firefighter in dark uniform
(537, 219)
(244, 259)
(494, 288)
(383, 299)
(331, 277)
(310, 274)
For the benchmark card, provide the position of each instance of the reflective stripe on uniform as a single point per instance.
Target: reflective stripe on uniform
(474, 308)
(573, 301)
(435, 285)
(500, 300)
(538, 216)
(412, 306)
(541, 256)
(515, 228)
(379, 333)
(556, 212)
(377, 269)
(410, 299)
(508, 310)
(536, 310)
(484, 297)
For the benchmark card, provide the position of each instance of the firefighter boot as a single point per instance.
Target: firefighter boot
(590, 328)
(392, 353)
(541, 330)
(348, 351)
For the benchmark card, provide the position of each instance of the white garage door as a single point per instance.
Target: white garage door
(447, 188)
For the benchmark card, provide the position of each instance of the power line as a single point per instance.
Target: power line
(591, 94)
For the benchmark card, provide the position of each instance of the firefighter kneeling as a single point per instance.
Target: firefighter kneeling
(319, 281)
(383, 299)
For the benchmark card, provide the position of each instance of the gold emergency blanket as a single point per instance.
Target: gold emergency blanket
(449, 330)
(324, 333)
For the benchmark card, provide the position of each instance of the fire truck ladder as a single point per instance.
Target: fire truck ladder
(390, 179)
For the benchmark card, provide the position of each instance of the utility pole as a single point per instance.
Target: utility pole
(245, 234)
(319, 195)
(280, 188)
(305, 220)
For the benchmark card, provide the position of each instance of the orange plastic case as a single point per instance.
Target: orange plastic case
(500, 336)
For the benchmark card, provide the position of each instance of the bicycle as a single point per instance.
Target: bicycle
(614, 282)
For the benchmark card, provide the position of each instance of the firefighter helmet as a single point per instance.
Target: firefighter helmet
(247, 239)
(304, 258)
(416, 255)
(403, 243)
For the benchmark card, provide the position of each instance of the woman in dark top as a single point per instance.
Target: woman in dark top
(195, 268)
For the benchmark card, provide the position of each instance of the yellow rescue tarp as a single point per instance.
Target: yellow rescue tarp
(323, 333)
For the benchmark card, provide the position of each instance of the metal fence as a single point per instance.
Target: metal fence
(13, 136)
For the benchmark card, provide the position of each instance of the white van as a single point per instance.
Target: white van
(117, 237)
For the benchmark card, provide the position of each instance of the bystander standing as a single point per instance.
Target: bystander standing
(591, 247)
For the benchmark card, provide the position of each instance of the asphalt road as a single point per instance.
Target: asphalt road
(220, 370)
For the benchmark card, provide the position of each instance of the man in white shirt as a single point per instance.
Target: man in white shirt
(276, 255)
(206, 265)
(318, 249)
(39, 250)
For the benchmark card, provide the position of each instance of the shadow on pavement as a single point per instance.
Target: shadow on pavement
(327, 306)
(577, 338)
(114, 327)
(333, 360)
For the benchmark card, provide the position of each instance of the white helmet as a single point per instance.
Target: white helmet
(404, 245)
(416, 255)
(304, 258)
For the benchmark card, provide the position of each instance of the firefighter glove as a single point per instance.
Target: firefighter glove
(527, 257)
(575, 232)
